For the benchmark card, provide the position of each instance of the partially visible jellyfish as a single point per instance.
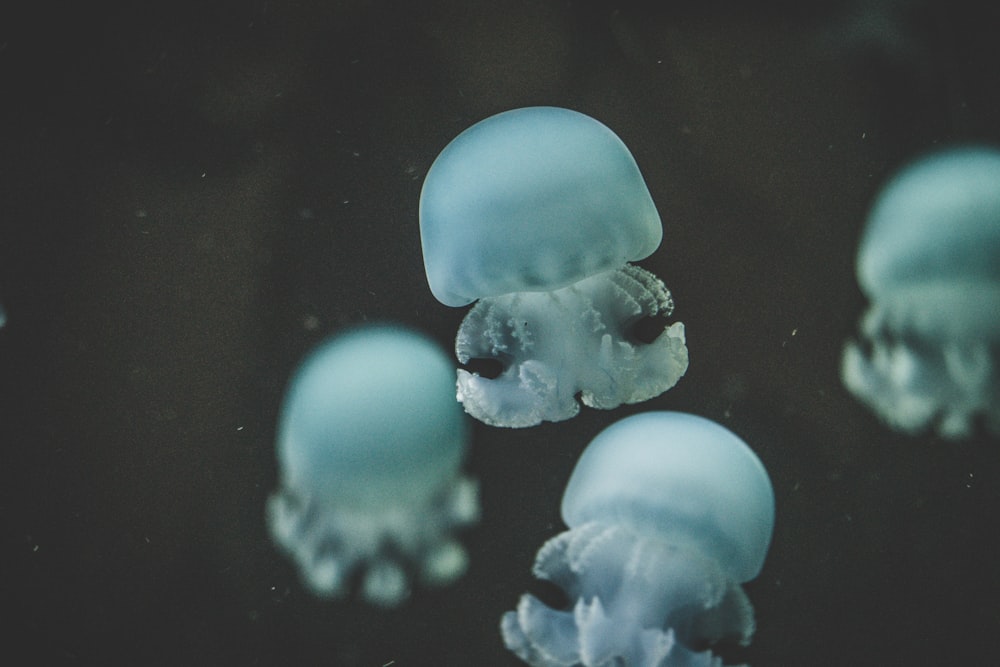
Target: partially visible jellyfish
(536, 213)
(929, 261)
(370, 444)
(668, 514)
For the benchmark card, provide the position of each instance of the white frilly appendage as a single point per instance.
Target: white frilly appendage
(915, 379)
(638, 601)
(331, 543)
(554, 345)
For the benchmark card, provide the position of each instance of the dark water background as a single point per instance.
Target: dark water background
(193, 194)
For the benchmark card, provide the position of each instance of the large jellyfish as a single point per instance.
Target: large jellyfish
(929, 261)
(370, 442)
(668, 514)
(536, 213)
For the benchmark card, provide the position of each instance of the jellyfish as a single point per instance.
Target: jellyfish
(370, 444)
(668, 513)
(536, 213)
(929, 262)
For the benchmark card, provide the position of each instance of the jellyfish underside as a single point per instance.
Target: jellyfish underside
(918, 366)
(335, 544)
(638, 600)
(574, 341)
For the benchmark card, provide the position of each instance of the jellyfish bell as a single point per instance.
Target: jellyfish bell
(370, 446)
(536, 213)
(668, 513)
(681, 475)
(553, 193)
(929, 262)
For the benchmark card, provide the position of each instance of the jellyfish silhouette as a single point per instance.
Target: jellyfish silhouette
(370, 443)
(536, 213)
(668, 514)
(929, 261)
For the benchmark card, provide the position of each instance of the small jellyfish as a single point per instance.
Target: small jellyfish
(536, 213)
(369, 445)
(668, 514)
(929, 262)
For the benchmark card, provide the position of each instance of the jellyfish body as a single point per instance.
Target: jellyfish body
(370, 444)
(929, 262)
(668, 513)
(536, 213)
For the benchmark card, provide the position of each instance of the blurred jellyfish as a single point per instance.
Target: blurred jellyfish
(370, 442)
(929, 261)
(535, 212)
(668, 514)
